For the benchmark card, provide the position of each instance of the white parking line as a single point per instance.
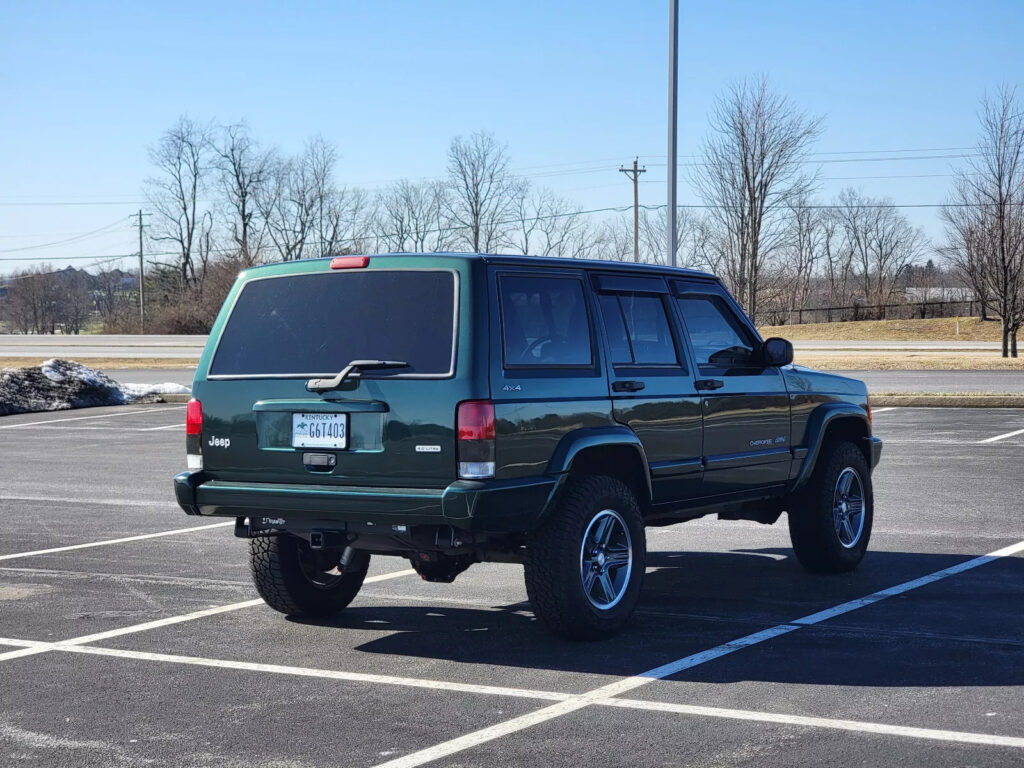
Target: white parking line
(1002, 437)
(856, 726)
(105, 542)
(129, 412)
(96, 502)
(157, 429)
(326, 674)
(883, 410)
(35, 647)
(607, 692)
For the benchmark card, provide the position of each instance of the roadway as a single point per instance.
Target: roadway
(94, 345)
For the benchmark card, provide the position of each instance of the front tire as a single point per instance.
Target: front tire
(584, 567)
(299, 581)
(830, 521)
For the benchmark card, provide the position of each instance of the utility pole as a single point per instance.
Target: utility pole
(673, 67)
(634, 174)
(142, 281)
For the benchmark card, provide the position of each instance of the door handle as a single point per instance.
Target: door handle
(709, 384)
(627, 386)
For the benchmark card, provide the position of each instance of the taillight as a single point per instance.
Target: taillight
(867, 405)
(474, 428)
(194, 417)
(193, 432)
(350, 262)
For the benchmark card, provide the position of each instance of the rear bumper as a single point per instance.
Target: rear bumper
(499, 506)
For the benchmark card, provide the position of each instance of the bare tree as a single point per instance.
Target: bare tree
(32, 296)
(410, 217)
(244, 172)
(985, 216)
(305, 213)
(73, 304)
(544, 224)
(801, 251)
(285, 208)
(752, 166)
(182, 158)
(837, 260)
(883, 244)
(481, 191)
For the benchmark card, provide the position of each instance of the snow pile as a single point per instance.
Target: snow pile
(59, 385)
(145, 390)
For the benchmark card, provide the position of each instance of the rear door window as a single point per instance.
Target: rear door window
(638, 330)
(544, 322)
(316, 324)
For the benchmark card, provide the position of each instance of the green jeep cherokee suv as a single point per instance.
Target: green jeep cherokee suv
(454, 409)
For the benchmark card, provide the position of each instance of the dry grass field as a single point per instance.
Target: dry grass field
(936, 329)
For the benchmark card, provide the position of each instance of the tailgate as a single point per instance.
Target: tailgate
(389, 428)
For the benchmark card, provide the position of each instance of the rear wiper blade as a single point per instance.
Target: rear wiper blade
(355, 367)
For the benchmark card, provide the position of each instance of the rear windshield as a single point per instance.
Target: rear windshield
(317, 324)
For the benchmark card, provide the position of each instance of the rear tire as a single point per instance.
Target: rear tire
(299, 581)
(584, 567)
(830, 520)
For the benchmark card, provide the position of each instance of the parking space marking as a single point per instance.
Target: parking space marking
(883, 410)
(857, 726)
(599, 695)
(40, 646)
(96, 502)
(997, 438)
(899, 589)
(105, 542)
(157, 429)
(326, 674)
(83, 418)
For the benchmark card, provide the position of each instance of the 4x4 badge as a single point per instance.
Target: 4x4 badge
(510, 388)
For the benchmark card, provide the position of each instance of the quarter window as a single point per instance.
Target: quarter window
(718, 337)
(544, 322)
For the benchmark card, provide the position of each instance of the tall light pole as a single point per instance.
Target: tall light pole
(673, 66)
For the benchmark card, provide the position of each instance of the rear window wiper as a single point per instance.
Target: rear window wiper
(355, 367)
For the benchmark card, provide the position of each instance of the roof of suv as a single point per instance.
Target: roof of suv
(553, 262)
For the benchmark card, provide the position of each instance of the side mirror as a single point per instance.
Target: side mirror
(776, 352)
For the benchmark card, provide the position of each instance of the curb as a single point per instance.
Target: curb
(173, 398)
(950, 400)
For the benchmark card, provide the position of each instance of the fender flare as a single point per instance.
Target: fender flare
(574, 443)
(817, 426)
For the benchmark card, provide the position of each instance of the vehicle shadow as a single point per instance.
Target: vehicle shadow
(950, 635)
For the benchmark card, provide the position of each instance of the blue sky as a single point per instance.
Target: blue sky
(575, 88)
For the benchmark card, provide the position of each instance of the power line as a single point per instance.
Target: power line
(75, 238)
(456, 228)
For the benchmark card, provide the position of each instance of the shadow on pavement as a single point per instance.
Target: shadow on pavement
(694, 601)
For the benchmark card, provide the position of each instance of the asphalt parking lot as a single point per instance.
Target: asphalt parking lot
(130, 634)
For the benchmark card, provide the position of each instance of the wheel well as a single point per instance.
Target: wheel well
(847, 429)
(623, 462)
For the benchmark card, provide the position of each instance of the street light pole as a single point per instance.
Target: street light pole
(673, 66)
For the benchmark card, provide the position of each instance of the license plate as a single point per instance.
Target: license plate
(320, 430)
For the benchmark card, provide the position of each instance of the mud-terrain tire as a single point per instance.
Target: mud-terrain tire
(828, 534)
(299, 581)
(570, 541)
